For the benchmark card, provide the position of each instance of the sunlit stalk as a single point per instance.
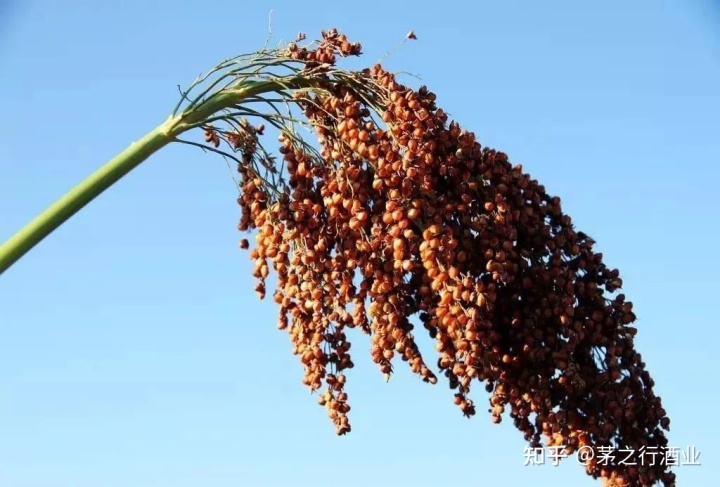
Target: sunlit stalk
(82, 194)
(245, 78)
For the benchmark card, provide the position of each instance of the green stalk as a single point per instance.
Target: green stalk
(114, 170)
(82, 194)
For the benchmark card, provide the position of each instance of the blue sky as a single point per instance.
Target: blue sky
(133, 351)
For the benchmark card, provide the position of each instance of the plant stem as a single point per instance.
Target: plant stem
(82, 194)
(92, 186)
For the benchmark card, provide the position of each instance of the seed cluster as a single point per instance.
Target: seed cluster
(411, 216)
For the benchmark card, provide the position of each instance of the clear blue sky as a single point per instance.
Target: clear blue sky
(133, 352)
